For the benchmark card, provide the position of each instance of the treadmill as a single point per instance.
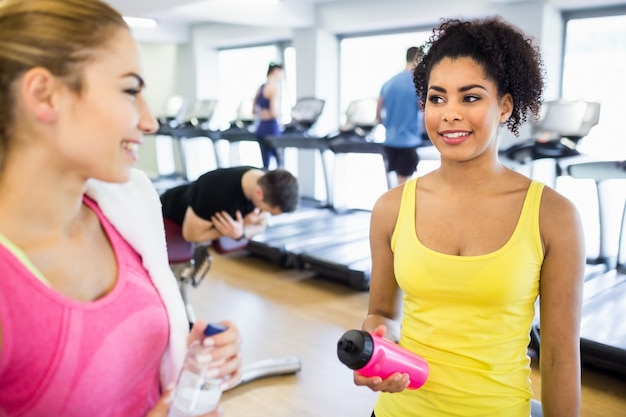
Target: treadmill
(296, 134)
(349, 261)
(331, 241)
(242, 129)
(603, 332)
(190, 122)
(603, 328)
(555, 136)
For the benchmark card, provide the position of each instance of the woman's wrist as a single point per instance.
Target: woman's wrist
(243, 236)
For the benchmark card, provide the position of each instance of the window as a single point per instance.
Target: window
(366, 63)
(594, 64)
(289, 83)
(593, 69)
(240, 71)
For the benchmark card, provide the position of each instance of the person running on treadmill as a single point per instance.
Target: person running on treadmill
(233, 202)
(266, 107)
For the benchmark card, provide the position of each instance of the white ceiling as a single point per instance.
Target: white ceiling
(262, 13)
(276, 14)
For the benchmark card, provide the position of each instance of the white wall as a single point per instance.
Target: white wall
(168, 69)
(539, 18)
(188, 64)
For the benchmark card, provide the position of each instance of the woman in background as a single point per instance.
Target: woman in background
(91, 318)
(267, 109)
(460, 255)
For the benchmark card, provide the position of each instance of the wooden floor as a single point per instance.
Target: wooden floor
(285, 312)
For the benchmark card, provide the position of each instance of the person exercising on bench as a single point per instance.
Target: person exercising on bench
(232, 202)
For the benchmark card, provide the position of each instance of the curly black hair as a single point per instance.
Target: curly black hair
(509, 59)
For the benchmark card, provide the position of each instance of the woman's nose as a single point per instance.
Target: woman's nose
(452, 113)
(148, 124)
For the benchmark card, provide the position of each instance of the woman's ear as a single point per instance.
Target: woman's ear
(38, 87)
(506, 107)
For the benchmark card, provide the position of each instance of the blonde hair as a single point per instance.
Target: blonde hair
(59, 35)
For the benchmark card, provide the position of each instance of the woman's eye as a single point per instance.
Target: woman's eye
(471, 98)
(435, 99)
(132, 91)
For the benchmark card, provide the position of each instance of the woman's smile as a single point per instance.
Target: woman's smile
(454, 137)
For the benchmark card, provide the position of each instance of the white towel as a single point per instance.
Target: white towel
(134, 208)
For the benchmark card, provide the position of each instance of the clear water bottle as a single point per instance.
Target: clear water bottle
(195, 394)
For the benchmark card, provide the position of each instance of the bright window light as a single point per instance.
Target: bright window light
(140, 22)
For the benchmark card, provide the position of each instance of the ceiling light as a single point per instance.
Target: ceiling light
(140, 22)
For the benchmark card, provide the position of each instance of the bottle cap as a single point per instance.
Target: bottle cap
(355, 348)
(214, 328)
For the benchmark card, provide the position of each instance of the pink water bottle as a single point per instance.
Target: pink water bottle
(372, 355)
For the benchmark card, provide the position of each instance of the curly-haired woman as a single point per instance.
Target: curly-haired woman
(460, 255)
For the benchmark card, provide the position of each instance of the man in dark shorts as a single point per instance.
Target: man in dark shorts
(398, 110)
(233, 202)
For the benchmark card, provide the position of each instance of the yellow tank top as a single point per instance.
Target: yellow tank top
(469, 317)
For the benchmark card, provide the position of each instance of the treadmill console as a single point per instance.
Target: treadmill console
(572, 119)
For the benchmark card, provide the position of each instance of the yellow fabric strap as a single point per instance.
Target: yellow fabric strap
(21, 256)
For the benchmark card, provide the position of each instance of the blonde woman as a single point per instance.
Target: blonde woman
(91, 319)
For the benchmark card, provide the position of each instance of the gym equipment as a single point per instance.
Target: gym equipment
(331, 240)
(605, 174)
(603, 330)
(265, 368)
(191, 122)
(555, 135)
(241, 131)
(304, 115)
(335, 245)
(175, 111)
(242, 128)
(195, 261)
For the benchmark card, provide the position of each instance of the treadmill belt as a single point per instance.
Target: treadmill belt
(268, 245)
(348, 263)
(603, 327)
(327, 224)
(328, 243)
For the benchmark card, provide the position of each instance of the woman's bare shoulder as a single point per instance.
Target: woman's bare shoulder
(386, 209)
(389, 200)
(555, 204)
(559, 218)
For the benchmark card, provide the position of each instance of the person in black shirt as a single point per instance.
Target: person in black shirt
(233, 202)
